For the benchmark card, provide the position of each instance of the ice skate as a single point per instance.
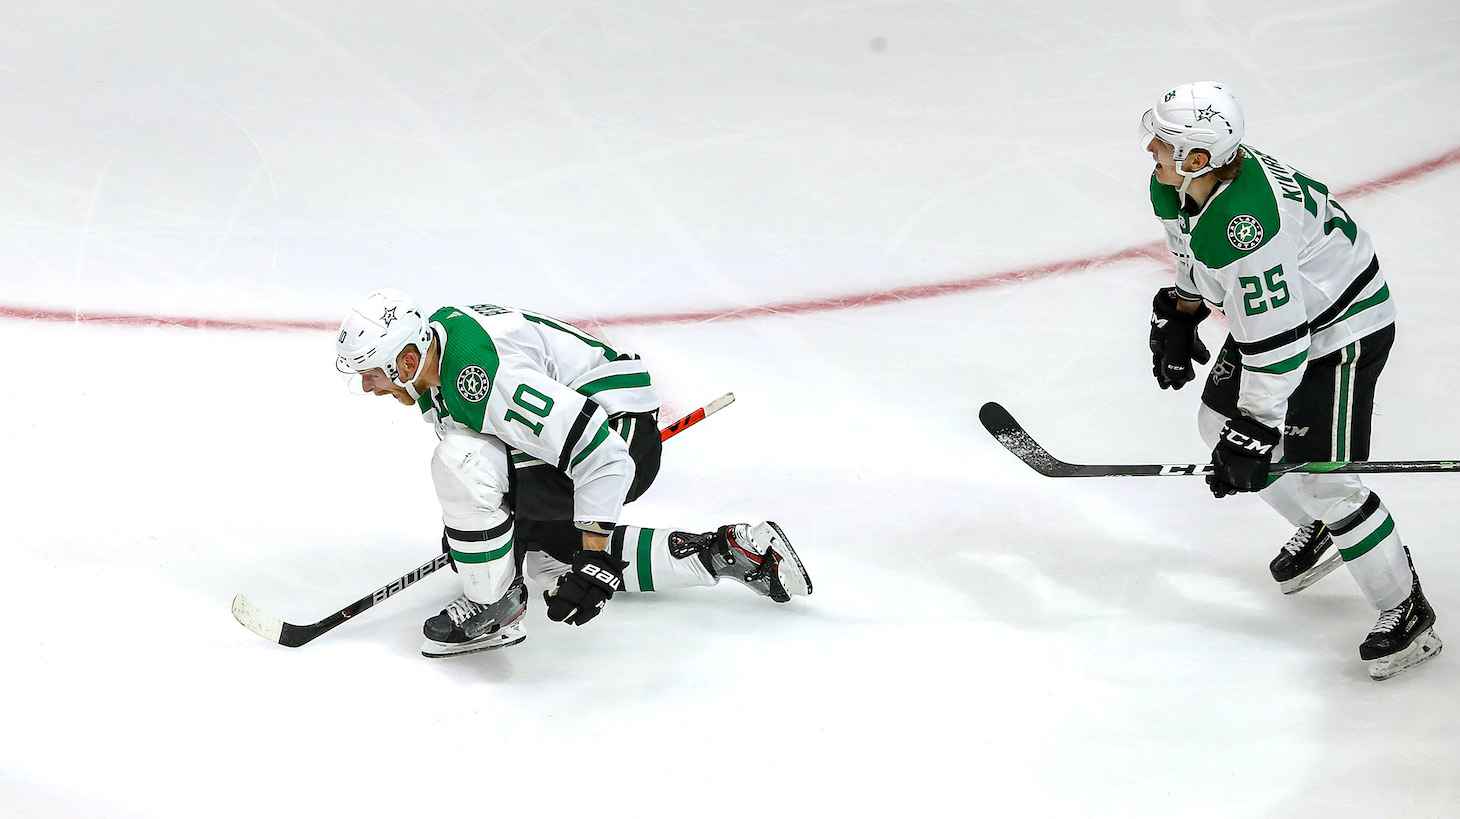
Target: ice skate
(1306, 558)
(1403, 638)
(758, 555)
(465, 626)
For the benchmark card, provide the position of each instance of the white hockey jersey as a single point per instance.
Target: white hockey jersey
(1294, 275)
(543, 387)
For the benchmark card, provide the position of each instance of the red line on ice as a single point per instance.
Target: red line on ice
(1153, 250)
(138, 320)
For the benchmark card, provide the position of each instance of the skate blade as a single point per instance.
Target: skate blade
(508, 636)
(1319, 571)
(1425, 647)
(790, 571)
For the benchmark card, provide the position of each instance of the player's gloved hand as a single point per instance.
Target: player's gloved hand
(1241, 457)
(582, 592)
(1174, 340)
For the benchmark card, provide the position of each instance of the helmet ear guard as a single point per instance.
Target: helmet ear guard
(378, 328)
(1199, 116)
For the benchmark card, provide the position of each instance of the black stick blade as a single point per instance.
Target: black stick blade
(1012, 437)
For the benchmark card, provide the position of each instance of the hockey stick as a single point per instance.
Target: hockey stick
(276, 630)
(1008, 432)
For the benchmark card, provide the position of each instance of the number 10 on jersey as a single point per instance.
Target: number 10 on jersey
(534, 403)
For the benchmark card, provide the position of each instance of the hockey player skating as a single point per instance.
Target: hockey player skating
(1311, 325)
(544, 432)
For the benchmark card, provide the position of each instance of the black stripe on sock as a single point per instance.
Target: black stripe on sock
(477, 535)
(616, 543)
(1351, 522)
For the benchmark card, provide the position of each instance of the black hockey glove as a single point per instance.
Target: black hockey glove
(1241, 458)
(582, 592)
(1174, 340)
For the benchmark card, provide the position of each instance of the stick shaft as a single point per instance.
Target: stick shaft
(270, 627)
(1014, 438)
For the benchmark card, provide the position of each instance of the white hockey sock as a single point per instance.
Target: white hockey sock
(484, 560)
(1374, 554)
(652, 567)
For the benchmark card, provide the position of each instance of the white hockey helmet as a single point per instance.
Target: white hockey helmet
(1197, 116)
(377, 329)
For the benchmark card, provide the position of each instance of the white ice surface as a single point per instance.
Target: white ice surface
(981, 641)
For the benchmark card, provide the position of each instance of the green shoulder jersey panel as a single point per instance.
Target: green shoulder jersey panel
(469, 363)
(1238, 220)
(1164, 200)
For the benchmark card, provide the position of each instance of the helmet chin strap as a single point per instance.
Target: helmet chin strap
(1186, 179)
(410, 386)
(1188, 176)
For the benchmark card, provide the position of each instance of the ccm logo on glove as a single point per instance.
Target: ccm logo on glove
(1246, 442)
(1242, 457)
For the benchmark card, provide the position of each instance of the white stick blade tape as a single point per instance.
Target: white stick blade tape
(720, 403)
(256, 619)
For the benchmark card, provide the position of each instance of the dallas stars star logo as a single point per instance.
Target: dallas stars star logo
(1244, 232)
(473, 384)
(388, 317)
(1206, 114)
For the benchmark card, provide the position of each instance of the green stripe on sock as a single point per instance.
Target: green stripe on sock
(1362, 548)
(481, 557)
(646, 572)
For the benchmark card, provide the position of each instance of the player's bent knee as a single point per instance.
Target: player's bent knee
(470, 477)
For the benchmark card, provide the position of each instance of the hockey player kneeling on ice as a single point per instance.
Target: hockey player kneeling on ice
(544, 433)
(1311, 324)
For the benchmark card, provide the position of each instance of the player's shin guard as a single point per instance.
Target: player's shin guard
(489, 613)
(483, 557)
(651, 565)
(1405, 635)
(1374, 554)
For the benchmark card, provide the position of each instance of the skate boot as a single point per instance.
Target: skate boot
(1403, 638)
(1307, 557)
(465, 625)
(757, 555)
